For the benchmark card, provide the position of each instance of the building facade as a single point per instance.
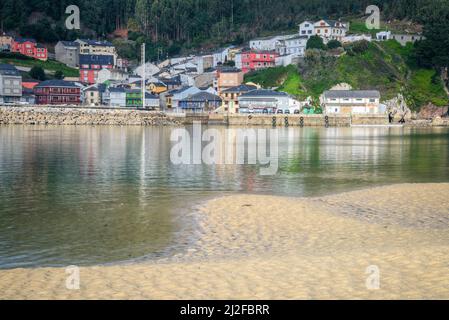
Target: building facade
(256, 60)
(293, 46)
(67, 52)
(91, 65)
(307, 29)
(98, 48)
(134, 99)
(29, 48)
(227, 77)
(200, 102)
(5, 42)
(57, 92)
(230, 97)
(330, 30)
(263, 101)
(10, 84)
(352, 102)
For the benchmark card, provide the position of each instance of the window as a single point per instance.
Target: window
(372, 100)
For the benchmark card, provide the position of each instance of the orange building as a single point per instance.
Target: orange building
(228, 77)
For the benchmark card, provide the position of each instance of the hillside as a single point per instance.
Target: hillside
(385, 66)
(50, 66)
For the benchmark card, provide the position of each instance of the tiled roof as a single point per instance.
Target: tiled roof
(97, 42)
(22, 40)
(335, 94)
(70, 43)
(228, 70)
(202, 96)
(96, 59)
(8, 69)
(240, 88)
(56, 83)
(264, 93)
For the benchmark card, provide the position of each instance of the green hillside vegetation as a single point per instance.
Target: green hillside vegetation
(50, 65)
(386, 66)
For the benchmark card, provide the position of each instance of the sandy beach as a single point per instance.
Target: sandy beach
(264, 247)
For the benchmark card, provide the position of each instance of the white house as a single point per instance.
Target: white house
(112, 75)
(383, 35)
(261, 100)
(115, 97)
(268, 43)
(351, 102)
(307, 29)
(292, 46)
(331, 30)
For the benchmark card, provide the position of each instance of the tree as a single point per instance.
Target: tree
(37, 73)
(315, 42)
(333, 44)
(433, 50)
(59, 75)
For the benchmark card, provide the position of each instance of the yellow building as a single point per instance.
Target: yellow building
(156, 87)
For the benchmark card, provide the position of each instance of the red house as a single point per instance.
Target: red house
(255, 60)
(91, 64)
(29, 48)
(57, 92)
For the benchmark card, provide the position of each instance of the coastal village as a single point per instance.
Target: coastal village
(205, 83)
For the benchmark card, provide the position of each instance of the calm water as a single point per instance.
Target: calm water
(89, 195)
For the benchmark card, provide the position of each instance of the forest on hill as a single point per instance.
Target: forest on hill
(168, 26)
(181, 23)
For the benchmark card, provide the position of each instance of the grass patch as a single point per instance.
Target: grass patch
(50, 65)
(425, 86)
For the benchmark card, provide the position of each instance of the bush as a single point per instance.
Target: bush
(59, 75)
(315, 42)
(358, 47)
(333, 44)
(37, 73)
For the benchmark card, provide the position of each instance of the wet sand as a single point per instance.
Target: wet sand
(262, 247)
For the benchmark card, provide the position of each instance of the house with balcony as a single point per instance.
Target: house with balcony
(57, 92)
(263, 101)
(295, 46)
(98, 48)
(230, 97)
(91, 65)
(331, 30)
(352, 102)
(29, 48)
(326, 29)
(10, 84)
(255, 60)
(200, 102)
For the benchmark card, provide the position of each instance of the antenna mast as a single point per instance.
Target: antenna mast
(143, 75)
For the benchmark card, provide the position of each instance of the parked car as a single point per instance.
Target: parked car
(296, 111)
(287, 112)
(265, 111)
(280, 111)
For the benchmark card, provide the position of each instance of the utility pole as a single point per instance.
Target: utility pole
(143, 75)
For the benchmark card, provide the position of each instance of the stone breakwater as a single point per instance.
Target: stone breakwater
(83, 116)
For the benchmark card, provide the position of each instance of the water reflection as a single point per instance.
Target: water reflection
(83, 195)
